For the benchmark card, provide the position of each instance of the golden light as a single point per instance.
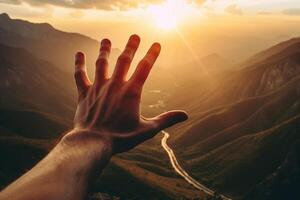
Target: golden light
(169, 14)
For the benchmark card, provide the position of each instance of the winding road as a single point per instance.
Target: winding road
(182, 172)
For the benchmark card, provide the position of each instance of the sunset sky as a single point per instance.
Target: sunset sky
(240, 21)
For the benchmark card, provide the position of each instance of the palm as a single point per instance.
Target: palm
(112, 105)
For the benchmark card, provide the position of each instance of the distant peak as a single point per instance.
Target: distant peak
(4, 16)
(45, 25)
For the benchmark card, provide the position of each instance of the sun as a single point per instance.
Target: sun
(168, 15)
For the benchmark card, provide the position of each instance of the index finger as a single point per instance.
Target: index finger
(145, 65)
(125, 58)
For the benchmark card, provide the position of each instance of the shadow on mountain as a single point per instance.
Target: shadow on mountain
(241, 140)
(240, 144)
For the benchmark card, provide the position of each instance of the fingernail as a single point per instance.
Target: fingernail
(105, 41)
(156, 46)
(182, 116)
(79, 54)
(135, 38)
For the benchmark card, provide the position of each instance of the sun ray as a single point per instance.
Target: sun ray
(194, 54)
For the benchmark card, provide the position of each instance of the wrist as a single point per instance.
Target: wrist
(90, 148)
(76, 161)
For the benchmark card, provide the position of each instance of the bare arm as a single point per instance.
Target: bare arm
(107, 122)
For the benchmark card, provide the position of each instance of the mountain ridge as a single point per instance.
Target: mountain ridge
(49, 43)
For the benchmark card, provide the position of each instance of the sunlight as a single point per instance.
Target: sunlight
(169, 14)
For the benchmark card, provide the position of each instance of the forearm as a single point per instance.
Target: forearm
(66, 172)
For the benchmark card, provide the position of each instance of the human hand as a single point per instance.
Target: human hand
(110, 107)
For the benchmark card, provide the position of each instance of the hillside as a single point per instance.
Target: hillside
(283, 182)
(251, 117)
(18, 155)
(255, 81)
(30, 124)
(27, 82)
(242, 164)
(241, 139)
(48, 43)
(244, 117)
(263, 55)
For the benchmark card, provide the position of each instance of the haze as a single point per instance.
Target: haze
(232, 65)
(205, 27)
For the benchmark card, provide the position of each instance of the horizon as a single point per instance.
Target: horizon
(239, 20)
(227, 70)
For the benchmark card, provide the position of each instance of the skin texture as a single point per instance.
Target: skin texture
(107, 122)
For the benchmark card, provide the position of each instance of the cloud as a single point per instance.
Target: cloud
(86, 4)
(234, 10)
(27, 11)
(292, 11)
(97, 4)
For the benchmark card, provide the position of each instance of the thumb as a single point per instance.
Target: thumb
(168, 119)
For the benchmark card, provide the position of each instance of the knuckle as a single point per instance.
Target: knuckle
(131, 47)
(105, 48)
(78, 62)
(123, 59)
(145, 63)
(111, 85)
(78, 74)
(133, 91)
(101, 62)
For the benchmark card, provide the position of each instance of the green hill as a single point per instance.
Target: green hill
(242, 164)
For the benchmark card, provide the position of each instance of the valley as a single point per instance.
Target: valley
(241, 140)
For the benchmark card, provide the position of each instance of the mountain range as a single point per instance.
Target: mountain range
(246, 128)
(242, 139)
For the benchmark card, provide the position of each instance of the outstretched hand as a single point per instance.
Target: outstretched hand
(107, 121)
(110, 107)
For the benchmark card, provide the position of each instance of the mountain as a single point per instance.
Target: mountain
(18, 155)
(48, 43)
(284, 181)
(25, 138)
(27, 82)
(254, 80)
(242, 135)
(263, 55)
(244, 163)
(247, 116)
(241, 140)
(232, 98)
(30, 124)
